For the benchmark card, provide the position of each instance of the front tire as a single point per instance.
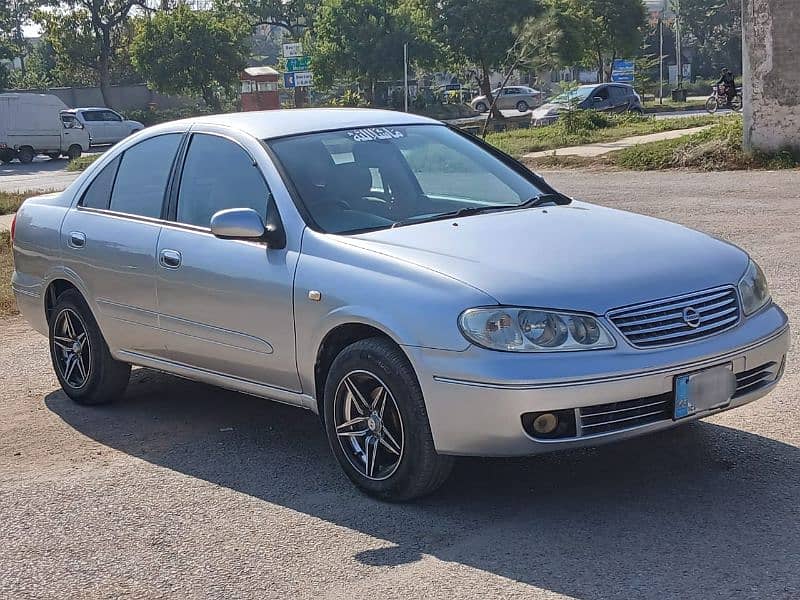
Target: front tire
(87, 372)
(481, 107)
(377, 424)
(712, 105)
(74, 152)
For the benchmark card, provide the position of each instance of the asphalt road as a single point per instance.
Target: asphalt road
(185, 491)
(42, 175)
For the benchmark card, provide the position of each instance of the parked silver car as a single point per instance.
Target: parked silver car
(508, 98)
(426, 295)
(104, 125)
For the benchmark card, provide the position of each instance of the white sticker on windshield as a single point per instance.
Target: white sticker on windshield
(375, 133)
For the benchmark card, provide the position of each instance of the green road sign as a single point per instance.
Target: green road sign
(298, 63)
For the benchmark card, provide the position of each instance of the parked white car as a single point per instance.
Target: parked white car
(30, 125)
(105, 126)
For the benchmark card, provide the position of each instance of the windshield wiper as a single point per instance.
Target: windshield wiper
(461, 212)
(545, 199)
(477, 210)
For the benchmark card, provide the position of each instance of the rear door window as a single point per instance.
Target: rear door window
(143, 174)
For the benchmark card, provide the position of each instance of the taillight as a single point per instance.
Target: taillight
(13, 227)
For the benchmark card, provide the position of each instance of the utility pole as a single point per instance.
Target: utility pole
(678, 42)
(405, 74)
(661, 58)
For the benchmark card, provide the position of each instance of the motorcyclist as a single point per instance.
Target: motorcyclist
(728, 81)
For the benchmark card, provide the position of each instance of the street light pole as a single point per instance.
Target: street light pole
(405, 73)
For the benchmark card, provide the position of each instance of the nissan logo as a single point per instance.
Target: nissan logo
(691, 317)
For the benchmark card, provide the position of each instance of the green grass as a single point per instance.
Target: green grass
(714, 149)
(10, 202)
(7, 304)
(79, 164)
(588, 130)
(718, 148)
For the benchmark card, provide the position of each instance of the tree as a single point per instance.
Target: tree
(89, 33)
(363, 40)
(714, 28)
(292, 15)
(482, 32)
(192, 52)
(610, 29)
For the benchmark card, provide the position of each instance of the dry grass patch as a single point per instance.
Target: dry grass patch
(7, 304)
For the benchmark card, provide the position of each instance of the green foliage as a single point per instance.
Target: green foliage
(351, 99)
(605, 29)
(154, 117)
(715, 30)
(90, 36)
(716, 148)
(81, 163)
(363, 40)
(192, 52)
(292, 15)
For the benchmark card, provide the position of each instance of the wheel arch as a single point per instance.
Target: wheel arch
(336, 340)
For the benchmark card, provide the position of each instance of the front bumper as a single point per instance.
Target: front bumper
(476, 398)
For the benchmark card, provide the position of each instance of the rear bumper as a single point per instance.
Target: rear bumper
(476, 399)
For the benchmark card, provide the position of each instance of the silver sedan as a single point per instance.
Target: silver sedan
(427, 296)
(520, 97)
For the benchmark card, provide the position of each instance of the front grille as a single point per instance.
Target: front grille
(664, 322)
(753, 379)
(603, 418)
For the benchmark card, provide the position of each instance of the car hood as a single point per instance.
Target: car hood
(549, 108)
(579, 257)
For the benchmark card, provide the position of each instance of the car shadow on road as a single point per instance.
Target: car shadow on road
(702, 511)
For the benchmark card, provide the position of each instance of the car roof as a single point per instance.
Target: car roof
(268, 124)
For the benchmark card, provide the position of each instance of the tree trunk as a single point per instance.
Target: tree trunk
(104, 74)
(210, 99)
(601, 67)
(486, 90)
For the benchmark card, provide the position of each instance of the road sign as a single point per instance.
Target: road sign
(302, 79)
(292, 50)
(298, 63)
(622, 71)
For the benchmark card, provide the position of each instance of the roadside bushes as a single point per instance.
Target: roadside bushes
(717, 148)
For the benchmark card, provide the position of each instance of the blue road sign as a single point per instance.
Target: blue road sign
(288, 80)
(623, 71)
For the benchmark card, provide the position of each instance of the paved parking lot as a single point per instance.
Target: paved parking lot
(185, 491)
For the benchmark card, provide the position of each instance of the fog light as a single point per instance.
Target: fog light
(545, 423)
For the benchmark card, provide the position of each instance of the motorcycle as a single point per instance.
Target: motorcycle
(719, 99)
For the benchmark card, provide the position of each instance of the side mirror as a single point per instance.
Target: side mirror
(238, 223)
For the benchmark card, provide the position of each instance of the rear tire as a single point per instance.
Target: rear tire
(377, 424)
(87, 372)
(522, 106)
(25, 155)
(737, 103)
(481, 107)
(74, 152)
(712, 105)
(7, 155)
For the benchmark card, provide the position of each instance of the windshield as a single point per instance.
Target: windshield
(577, 95)
(375, 178)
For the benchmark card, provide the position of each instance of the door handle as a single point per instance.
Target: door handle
(170, 259)
(77, 239)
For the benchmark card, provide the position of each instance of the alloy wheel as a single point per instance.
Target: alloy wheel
(368, 425)
(71, 348)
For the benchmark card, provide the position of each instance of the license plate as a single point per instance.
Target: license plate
(704, 390)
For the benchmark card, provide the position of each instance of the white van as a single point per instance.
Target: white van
(32, 124)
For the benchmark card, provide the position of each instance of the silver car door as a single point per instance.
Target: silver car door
(225, 306)
(109, 242)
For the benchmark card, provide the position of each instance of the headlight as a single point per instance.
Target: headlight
(754, 289)
(530, 330)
